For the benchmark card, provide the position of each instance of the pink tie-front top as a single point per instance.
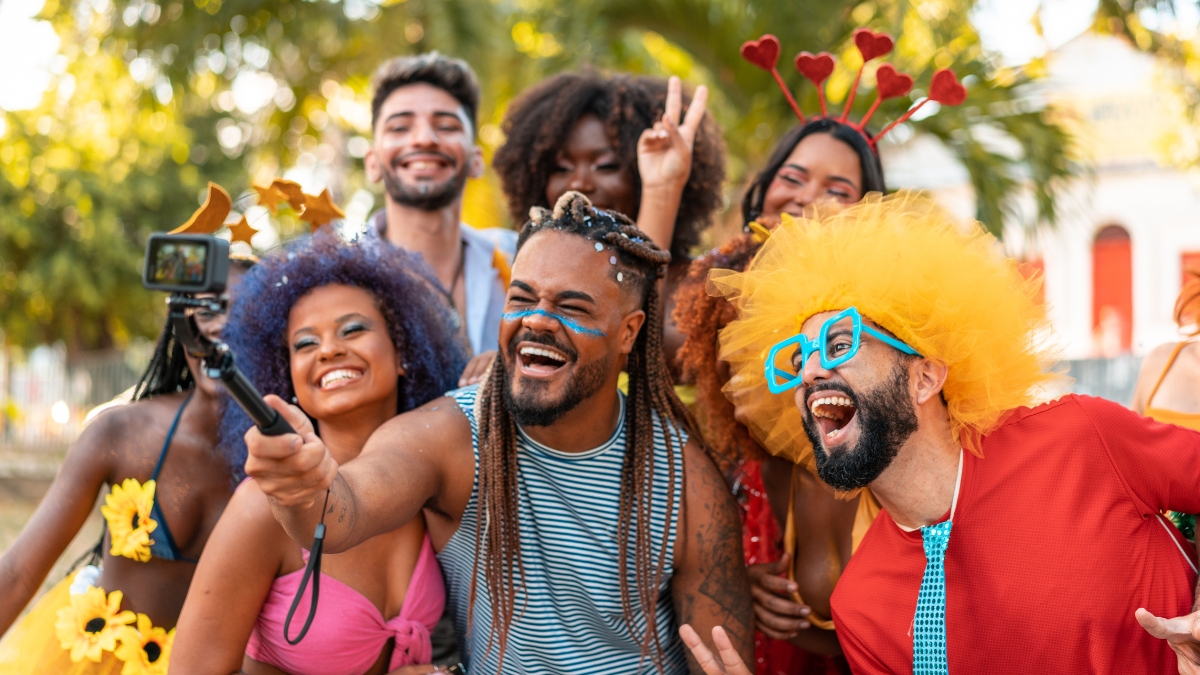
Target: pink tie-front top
(349, 633)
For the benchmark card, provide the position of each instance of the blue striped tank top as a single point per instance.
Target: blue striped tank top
(569, 615)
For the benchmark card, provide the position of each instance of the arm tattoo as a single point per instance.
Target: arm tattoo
(345, 506)
(718, 541)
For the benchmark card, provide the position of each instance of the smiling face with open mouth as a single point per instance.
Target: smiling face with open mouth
(424, 148)
(857, 415)
(343, 360)
(566, 323)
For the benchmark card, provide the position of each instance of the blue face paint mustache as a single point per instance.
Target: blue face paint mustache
(567, 323)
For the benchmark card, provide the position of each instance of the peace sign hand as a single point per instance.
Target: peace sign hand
(664, 151)
(1181, 633)
(730, 662)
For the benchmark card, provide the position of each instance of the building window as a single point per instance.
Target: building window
(1112, 291)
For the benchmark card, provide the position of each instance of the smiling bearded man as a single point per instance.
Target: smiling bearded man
(577, 527)
(1013, 539)
(423, 117)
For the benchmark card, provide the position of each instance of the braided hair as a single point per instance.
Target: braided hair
(168, 370)
(640, 265)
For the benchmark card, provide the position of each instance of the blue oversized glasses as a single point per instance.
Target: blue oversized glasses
(782, 370)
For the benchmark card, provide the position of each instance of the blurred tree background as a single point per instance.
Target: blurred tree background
(147, 100)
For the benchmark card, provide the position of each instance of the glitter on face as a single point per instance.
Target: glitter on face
(566, 322)
(599, 246)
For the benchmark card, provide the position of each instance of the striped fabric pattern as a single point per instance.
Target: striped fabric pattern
(569, 618)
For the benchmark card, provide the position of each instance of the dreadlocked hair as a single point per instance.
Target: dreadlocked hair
(168, 370)
(700, 317)
(651, 394)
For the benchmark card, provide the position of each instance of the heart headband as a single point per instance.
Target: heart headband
(889, 82)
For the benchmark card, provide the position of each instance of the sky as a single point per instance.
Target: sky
(27, 50)
(28, 46)
(1006, 26)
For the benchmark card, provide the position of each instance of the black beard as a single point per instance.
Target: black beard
(426, 196)
(886, 419)
(530, 408)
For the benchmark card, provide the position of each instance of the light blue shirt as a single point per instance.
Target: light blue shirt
(484, 289)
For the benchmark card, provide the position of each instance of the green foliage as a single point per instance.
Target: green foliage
(152, 113)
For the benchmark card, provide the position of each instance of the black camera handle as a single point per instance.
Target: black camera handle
(218, 362)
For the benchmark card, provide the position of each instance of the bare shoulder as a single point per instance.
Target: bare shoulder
(1153, 365)
(708, 505)
(120, 434)
(248, 516)
(704, 479)
(438, 425)
(1156, 360)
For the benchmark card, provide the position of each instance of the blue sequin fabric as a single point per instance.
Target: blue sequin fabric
(929, 626)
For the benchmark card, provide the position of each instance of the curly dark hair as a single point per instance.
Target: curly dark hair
(538, 122)
(420, 324)
(700, 317)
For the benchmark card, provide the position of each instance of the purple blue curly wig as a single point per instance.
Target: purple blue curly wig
(421, 325)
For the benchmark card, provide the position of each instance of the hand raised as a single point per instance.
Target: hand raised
(665, 150)
(477, 368)
(729, 663)
(292, 469)
(775, 613)
(1182, 633)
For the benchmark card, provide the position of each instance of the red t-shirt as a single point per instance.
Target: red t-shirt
(1056, 542)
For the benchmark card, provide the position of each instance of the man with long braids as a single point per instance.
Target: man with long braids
(1014, 537)
(577, 526)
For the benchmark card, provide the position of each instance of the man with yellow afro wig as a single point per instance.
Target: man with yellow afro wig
(1013, 538)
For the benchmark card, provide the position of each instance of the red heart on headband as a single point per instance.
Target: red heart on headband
(890, 83)
(815, 68)
(763, 52)
(871, 44)
(946, 89)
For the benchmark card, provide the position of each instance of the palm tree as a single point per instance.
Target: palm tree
(154, 82)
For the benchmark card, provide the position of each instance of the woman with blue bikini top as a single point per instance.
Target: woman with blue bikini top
(165, 485)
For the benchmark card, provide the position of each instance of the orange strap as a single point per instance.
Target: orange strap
(1161, 376)
(789, 547)
(500, 262)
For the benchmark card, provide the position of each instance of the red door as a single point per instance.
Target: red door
(1112, 291)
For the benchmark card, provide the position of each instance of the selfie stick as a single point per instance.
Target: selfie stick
(218, 362)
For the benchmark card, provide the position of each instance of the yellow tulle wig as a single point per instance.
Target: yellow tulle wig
(939, 284)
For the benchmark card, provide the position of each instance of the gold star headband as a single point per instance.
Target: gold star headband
(317, 211)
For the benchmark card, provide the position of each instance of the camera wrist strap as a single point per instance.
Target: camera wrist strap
(311, 571)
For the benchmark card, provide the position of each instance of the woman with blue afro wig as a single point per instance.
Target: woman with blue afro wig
(353, 333)
(421, 326)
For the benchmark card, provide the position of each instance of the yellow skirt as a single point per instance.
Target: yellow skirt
(101, 638)
(31, 645)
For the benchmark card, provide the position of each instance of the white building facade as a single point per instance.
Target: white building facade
(1113, 265)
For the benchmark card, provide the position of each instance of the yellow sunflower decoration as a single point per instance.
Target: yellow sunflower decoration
(127, 509)
(146, 650)
(90, 625)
